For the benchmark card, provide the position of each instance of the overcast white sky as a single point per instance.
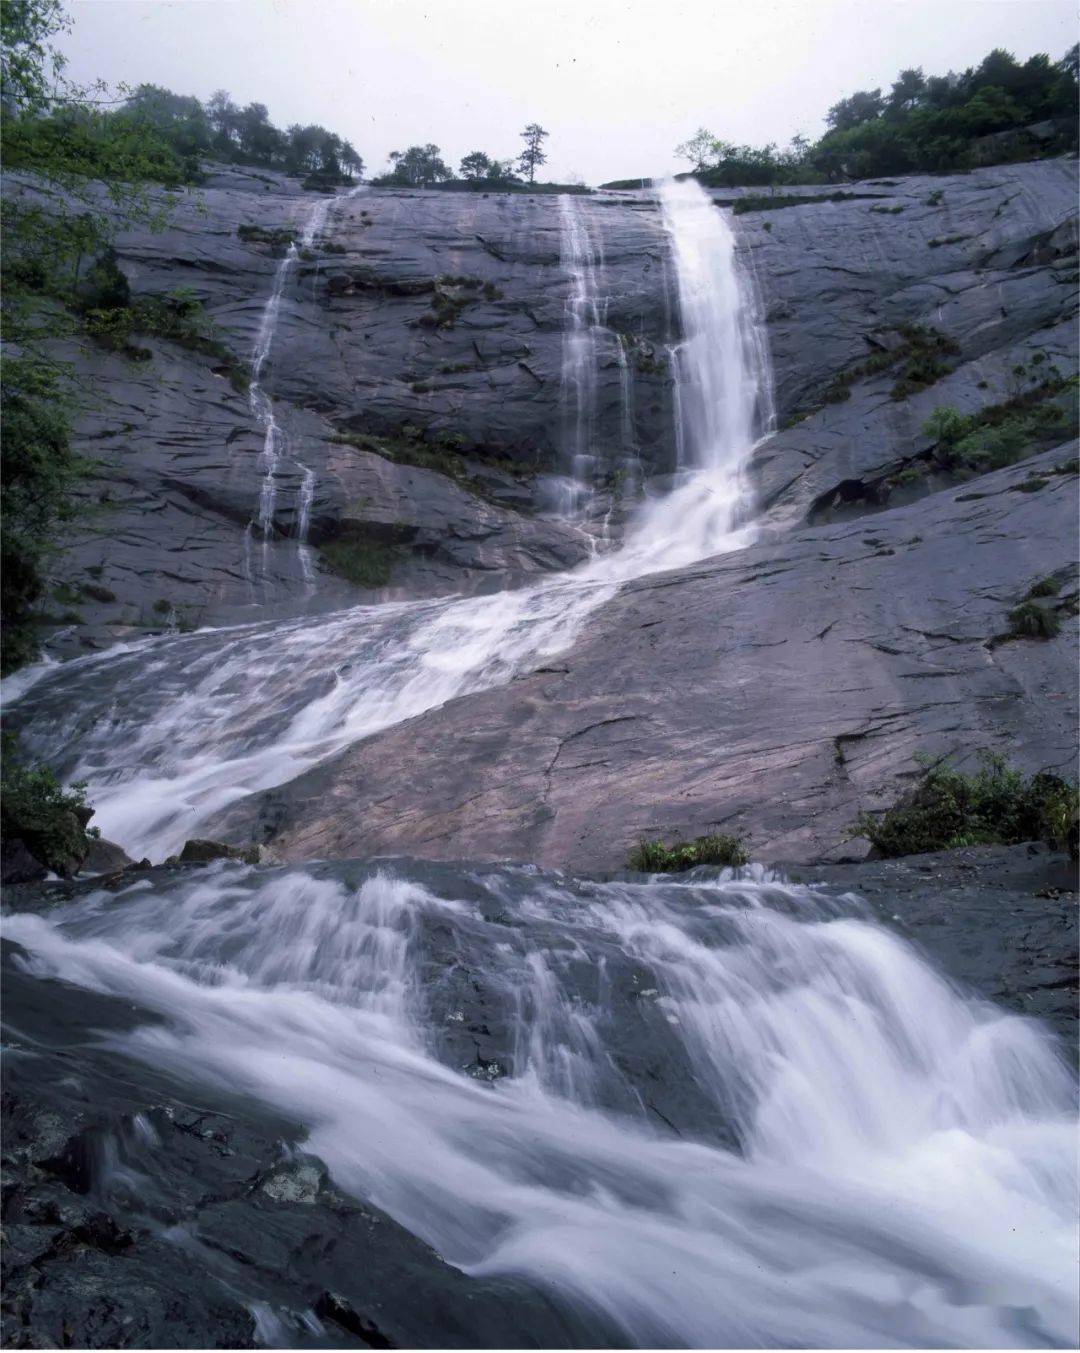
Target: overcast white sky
(616, 82)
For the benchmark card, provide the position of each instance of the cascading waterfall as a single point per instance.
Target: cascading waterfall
(172, 731)
(850, 1152)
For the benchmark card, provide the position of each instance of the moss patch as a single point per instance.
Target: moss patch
(358, 557)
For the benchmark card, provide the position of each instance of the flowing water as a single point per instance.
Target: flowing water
(715, 1112)
(275, 439)
(711, 1113)
(170, 732)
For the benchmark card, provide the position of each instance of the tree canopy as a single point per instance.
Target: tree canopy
(923, 124)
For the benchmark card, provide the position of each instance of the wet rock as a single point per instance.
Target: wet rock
(143, 1211)
(298, 1182)
(199, 851)
(106, 857)
(778, 692)
(17, 864)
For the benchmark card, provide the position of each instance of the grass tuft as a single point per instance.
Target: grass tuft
(654, 857)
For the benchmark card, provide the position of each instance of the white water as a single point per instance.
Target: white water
(275, 442)
(583, 260)
(189, 725)
(904, 1173)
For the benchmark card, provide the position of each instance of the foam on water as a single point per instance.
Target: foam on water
(899, 1168)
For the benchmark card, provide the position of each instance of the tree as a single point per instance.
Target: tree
(29, 65)
(864, 106)
(907, 89)
(476, 165)
(351, 162)
(70, 147)
(223, 115)
(418, 166)
(533, 156)
(179, 119)
(700, 149)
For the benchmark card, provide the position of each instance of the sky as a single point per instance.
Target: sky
(617, 83)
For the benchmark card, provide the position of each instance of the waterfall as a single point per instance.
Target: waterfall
(262, 408)
(582, 259)
(171, 732)
(716, 1112)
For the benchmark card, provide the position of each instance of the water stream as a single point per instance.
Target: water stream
(708, 1113)
(169, 733)
(711, 1112)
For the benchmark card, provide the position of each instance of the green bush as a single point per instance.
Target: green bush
(48, 819)
(996, 804)
(654, 857)
(1001, 434)
(1031, 621)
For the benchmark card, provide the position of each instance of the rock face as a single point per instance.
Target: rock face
(414, 374)
(775, 691)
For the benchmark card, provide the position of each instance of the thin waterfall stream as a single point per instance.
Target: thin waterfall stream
(826, 1144)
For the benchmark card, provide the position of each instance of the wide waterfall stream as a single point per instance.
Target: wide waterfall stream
(719, 1111)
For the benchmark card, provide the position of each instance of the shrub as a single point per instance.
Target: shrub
(995, 805)
(48, 819)
(1031, 621)
(654, 857)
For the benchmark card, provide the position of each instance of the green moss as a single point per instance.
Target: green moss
(358, 558)
(778, 201)
(654, 857)
(177, 316)
(887, 211)
(995, 805)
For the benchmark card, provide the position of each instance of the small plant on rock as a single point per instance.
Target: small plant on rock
(654, 857)
(1029, 620)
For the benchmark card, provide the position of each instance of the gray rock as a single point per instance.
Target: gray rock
(777, 691)
(105, 857)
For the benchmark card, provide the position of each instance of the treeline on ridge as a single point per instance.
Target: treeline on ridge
(175, 132)
(999, 111)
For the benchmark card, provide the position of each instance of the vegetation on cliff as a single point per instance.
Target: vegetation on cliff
(48, 819)
(995, 805)
(998, 111)
(91, 174)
